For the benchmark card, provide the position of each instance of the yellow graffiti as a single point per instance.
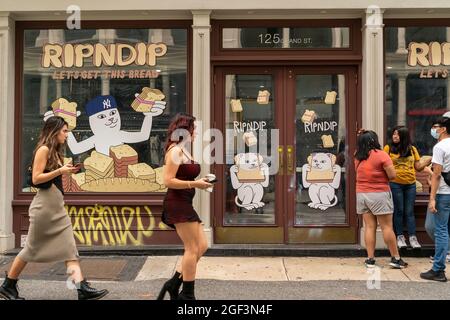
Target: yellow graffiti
(111, 225)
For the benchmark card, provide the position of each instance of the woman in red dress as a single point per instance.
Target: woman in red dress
(179, 174)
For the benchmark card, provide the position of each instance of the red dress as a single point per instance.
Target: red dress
(177, 205)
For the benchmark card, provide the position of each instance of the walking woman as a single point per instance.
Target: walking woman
(374, 169)
(180, 171)
(406, 161)
(50, 236)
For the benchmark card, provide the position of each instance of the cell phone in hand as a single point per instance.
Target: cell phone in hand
(213, 181)
(78, 165)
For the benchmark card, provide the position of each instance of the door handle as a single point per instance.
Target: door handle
(280, 160)
(290, 160)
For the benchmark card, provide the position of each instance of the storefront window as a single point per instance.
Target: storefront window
(320, 147)
(276, 37)
(417, 85)
(250, 117)
(118, 90)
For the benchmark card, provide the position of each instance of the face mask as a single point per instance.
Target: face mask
(435, 134)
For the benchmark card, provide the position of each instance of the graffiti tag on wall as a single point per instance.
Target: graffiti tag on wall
(112, 225)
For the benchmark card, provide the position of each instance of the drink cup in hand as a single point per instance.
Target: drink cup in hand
(211, 178)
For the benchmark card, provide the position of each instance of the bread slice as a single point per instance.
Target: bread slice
(77, 180)
(146, 99)
(309, 116)
(99, 164)
(121, 185)
(160, 178)
(67, 110)
(141, 171)
(66, 178)
(236, 105)
(250, 138)
(123, 156)
(91, 175)
(263, 97)
(327, 141)
(330, 98)
(317, 176)
(249, 176)
(122, 151)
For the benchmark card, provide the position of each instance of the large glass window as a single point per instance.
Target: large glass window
(250, 117)
(320, 149)
(417, 85)
(118, 89)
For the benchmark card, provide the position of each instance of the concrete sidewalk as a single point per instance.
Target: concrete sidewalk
(239, 278)
(284, 269)
(135, 268)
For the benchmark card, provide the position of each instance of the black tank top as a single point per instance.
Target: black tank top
(57, 181)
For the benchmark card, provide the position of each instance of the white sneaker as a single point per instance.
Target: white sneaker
(401, 242)
(414, 243)
(448, 257)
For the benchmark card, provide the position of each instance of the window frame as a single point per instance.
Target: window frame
(86, 198)
(352, 52)
(404, 23)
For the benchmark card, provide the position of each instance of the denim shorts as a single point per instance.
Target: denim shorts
(377, 203)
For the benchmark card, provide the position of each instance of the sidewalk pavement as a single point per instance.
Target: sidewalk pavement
(131, 277)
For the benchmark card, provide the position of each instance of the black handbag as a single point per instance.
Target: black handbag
(45, 185)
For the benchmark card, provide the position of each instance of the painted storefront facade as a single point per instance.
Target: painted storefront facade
(287, 91)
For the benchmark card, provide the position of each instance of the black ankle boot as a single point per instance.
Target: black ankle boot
(172, 286)
(86, 292)
(8, 290)
(188, 291)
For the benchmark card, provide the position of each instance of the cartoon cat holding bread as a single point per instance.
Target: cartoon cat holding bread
(322, 176)
(105, 122)
(249, 176)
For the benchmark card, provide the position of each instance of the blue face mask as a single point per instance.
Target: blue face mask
(434, 133)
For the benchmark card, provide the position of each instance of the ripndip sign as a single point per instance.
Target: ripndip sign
(434, 55)
(116, 54)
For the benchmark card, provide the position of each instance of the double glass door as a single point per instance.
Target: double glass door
(286, 174)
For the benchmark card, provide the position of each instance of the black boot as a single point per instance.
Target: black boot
(188, 291)
(8, 290)
(86, 292)
(172, 286)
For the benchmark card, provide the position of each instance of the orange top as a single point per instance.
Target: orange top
(370, 174)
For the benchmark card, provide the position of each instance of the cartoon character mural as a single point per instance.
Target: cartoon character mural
(322, 176)
(113, 166)
(105, 123)
(249, 176)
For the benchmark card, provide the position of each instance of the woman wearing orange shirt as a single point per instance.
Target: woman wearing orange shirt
(374, 169)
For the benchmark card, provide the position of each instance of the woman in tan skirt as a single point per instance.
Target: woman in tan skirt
(50, 236)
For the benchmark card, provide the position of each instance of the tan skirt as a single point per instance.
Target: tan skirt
(50, 235)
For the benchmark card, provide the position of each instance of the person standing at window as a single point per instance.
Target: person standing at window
(406, 160)
(374, 169)
(439, 204)
(50, 235)
(430, 225)
(179, 173)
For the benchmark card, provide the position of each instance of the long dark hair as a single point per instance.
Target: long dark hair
(47, 138)
(403, 148)
(180, 121)
(367, 141)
